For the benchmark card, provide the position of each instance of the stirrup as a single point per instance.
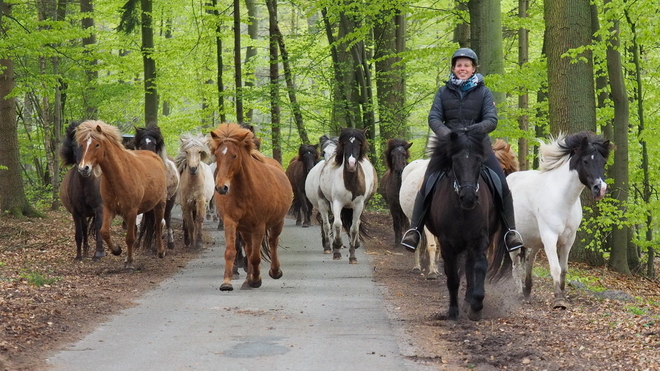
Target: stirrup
(410, 247)
(515, 247)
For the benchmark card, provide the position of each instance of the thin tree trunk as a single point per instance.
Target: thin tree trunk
(523, 99)
(147, 49)
(274, 80)
(89, 103)
(251, 51)
(486, 38)
(238, 73)
(462, 29)
(220, 65)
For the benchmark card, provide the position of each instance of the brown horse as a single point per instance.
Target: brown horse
(299, 167)
(81, 197)
(506, 156)
(254, 197)
(132, 182)
(396, 158)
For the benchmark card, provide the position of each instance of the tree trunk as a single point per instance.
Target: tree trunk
(12, 193)
(238, 72)
(89, 102)
(274, 80)
(147, 49)
(486, 38)
(523, 99)
(251, 51)
(462, 29)
(220, 65)
(339, 99)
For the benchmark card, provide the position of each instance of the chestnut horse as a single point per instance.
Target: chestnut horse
(151, 139)
(299, 167)
(132, 182)
(81, 196)
(254, 196)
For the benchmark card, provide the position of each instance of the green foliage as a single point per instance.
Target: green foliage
(37, 279)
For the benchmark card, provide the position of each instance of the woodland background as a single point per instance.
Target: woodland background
(299, 69)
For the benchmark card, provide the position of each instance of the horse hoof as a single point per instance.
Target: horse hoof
(254, 283)
(78, 258)
(560, 304)
(327, 251)
(306, 225)
(336, 256)
(117, 253)
(246, 286)
(352, 261)
(129, 267)
(170, 245)
(432, 276)
(416, 271)
(161, 255)
(474, 316)
(226, 287)
(276, 275)
(235, 276)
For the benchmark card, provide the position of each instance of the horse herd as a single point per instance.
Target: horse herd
(463, 224)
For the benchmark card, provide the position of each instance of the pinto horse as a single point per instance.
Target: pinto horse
(132, 182)
(245, 205)
(299, 167)
(346, 182)
(197, 185)
(151, 139)
(81, 197)
(464, 217)
(396, 158)
(547, 204)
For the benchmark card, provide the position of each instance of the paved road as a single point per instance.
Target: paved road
(321, 315)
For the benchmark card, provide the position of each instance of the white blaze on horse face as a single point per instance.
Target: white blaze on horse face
(352, 162)
(147, 140)
(84, 155)
(603, 190)
(224, 151)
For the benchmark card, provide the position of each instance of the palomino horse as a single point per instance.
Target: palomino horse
(464, 217)
(81, 197)
(396, 158)
(196, 185)
(427, 255)
(151, 139)
(132, 182)
(547, 203)
(299, 167)
(245, 205)
(346, 182)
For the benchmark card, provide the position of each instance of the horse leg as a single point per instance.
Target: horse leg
(563, 250)
(433, 255)
(324, 211)
(230, 255)
(130, 240)
(307, 212)
(199, 220)
(337, 243)
(518, 261)
(98, 222)
(168, 221)
(188, 224)
(253, 251)
(550, 245)
(529, 264)
(78, 222)
(354, 237)
(417, 268)
(273, 240)
(159, 214)
(453, 283)
(478, 269)
(105, 231)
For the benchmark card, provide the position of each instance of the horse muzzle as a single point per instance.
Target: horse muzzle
(599, 190)
(85, 171)
(192, 170)
(222, 189)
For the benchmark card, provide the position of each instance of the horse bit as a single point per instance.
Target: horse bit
(459, 187)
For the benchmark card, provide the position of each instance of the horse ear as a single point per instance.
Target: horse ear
(214, 135)
(364, 131)
(409, 145)
(98, 128)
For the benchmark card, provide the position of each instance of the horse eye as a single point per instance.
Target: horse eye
(98, 145)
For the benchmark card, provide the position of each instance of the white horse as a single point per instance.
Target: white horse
(312, 185)
(412, 178)
(346, 182)
(547, 204)
(197, 185)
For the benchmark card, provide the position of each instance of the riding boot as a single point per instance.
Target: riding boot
(413, 235)
(512, 238)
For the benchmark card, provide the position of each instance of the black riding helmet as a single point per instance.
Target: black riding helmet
(464, 53)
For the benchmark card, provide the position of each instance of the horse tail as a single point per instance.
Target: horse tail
(501, 265)
(347, 222)
(265, 247)
(147, 230)
(91, 226)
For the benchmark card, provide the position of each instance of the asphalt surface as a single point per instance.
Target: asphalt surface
(321, 315)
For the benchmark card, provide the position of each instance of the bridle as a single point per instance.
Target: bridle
(459, 187)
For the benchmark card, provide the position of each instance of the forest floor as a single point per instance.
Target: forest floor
(48, 300)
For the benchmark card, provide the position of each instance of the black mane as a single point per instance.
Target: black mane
(344, 137)
(391, 145)
(149, 132)
(448, 145)
(69, 148)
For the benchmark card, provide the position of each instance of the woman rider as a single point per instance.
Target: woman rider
(465, 104)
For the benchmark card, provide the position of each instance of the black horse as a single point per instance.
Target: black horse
(81, 197)
(464, 217)
(396, 158)
(151, 139)
(299, 167)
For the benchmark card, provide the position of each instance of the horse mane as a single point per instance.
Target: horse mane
(99, 130)
(238, 134)
(69, 144)
(345, 134)
(153, 132)
(446, 146)
(505, 156)
(561, 149)
(311, 147)
(191, 141)
(391, 144)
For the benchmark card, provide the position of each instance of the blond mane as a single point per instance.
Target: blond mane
(553, 154)
(235, 133)
(107, 133)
